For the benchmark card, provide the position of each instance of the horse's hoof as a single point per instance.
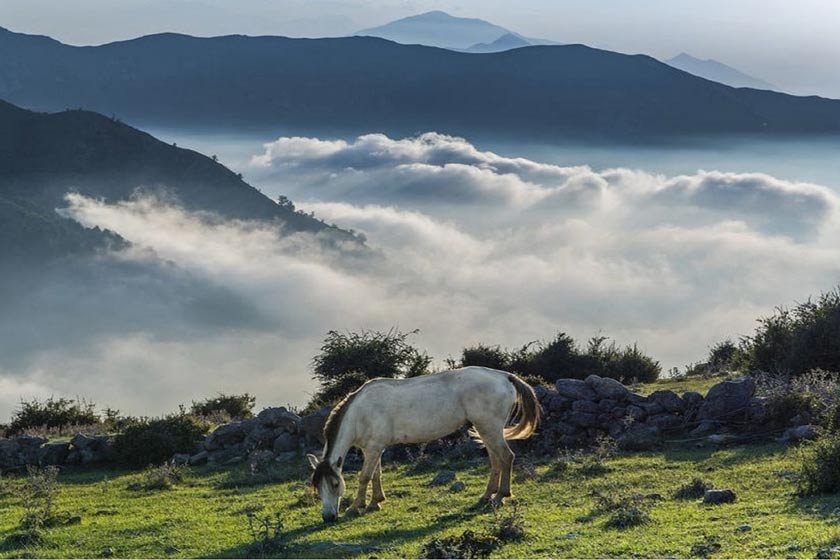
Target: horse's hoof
(352, 512)
(373, 506)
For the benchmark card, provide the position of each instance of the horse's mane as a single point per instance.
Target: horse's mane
(333, 424)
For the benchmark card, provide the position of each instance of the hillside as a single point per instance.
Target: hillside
(438, 29)
(44, 156)
(717, 72)
(359, 84)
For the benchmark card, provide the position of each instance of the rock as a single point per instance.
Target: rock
(181, 458)
(801, 419)
(692, 399)
(575, 389)
(225, 436)
(542, 392)
(588, 407)
(639, 437)
(279, 417)
(584, 419)
(199, 458)
(715, 496)
(608, 388)
(171, 549)
(53, 454)
(81, 441)
(286, 457)
(618, 412)
(559, 404)
(312, 425)
(669, 400)
(720, 439)
(728, 400)
(757, 410)
(652, 408)
(458, 486)
(285, 442)
(637, 413)
(107, 552)
(665, 421)
(73, 520)
(800, 433)
(743, 528)
(9, 454)
(443, 477)
(607, 405)
(704, 428)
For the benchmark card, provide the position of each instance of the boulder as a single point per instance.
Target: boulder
(199, 458)
(719, 496)
(606, 405)
(53, 454)
(9, 454)
(665, 421)
(312, 425)
(279, 417)
(559, 404)
(728, 400)
(575, 389)
(285, 442)
(225, 436)
(584, 419)
(618, 412)
(800, 433)
(443, 477)
(639, 437)
(652, 408)
(705, 428)
(669, 400)
(542, 392)
(588, 407)
(637, 413)
(181, 458)
(608, 388)
(458, 486)
(692, 399)
(262, 437)
(81, 441)
(757, 412)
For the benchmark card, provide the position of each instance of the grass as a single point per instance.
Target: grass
(679, 385)
(204, 515)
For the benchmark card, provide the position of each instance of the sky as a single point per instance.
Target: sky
(793, 45)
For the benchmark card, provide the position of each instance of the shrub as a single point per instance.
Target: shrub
(633, 365)
(815, 393)
(723, 356)
(625, 510)
(467, 545)
(38, 495)
(162, 477)
(347, 360)
(485, 356)
(235, 406)
(795, 341)
(820, 471)
(52, 413)
(510, 525)
(693, 490)
(267, 537)
(154, 441)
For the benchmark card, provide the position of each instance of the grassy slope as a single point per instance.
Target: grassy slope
(206, 516)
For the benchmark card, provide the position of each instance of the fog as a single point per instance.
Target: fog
(467, 244)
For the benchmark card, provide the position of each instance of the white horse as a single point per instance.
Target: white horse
(420, 409)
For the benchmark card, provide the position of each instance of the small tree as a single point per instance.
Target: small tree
(235, 406)
(52, 413)
(347, 360)
(485, 356)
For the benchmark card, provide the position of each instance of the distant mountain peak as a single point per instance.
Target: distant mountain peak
(716, 71)
(506, 42)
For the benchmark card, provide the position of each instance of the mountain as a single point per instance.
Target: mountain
(506, 42)
(439, 29)
(717, 72)
(44, 156)
(359, 84)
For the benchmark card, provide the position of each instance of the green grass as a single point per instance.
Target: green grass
(206, 514)
(679, 385)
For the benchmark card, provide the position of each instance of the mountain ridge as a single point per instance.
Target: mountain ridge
(717, 72)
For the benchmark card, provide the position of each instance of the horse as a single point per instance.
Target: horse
(385, 411)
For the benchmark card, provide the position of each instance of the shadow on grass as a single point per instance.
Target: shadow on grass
(729, 455)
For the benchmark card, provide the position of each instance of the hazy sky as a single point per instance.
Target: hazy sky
(794, 45)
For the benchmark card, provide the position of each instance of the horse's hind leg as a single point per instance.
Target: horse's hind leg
(501, 462)
(378, 495)
(495, 473)
(371, 460)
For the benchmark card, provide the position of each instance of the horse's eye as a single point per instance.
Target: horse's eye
(335, 485)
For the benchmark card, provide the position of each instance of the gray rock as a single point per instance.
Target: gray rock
(743, 528)
(665, 421)
(575, 389)
(618, 412)
(607, 405)
(669, 400)
(800, 433)
(458, 486)
(639, 437)
(279, 417)
(81, 441)
(181, 458)
(692, 399)
(443, 477)
(757, 410)
(637, 413)
(559, 404)
(715, 496)
(801, 419)
(720, 439)
(225, 436)
(313, 425)
(286, 457)
(53, 454)
(9, 453)
(199, 458)
(728, 400)
(588, 407)
(705, 428)
(285, 442)
(608, 388)
(263, 437)
(584, 419)
(652, 408)
(542, 392)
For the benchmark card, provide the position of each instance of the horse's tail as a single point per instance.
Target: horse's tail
(527, 409)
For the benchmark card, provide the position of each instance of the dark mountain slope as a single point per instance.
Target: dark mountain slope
(363, 84)
(44, 156)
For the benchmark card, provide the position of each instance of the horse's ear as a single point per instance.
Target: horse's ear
(313, 460)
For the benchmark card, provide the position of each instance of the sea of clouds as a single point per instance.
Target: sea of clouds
(466, 245)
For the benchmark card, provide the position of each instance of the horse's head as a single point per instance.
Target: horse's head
(328, 484)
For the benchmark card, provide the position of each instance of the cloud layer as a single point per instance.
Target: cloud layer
(469, 246)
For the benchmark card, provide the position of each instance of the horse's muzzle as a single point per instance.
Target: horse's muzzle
(329, 517)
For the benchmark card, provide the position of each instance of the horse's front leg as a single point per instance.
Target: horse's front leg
(378, 495)
(371, 459)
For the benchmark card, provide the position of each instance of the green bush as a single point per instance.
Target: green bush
(820, 471)
(347, 360)
(795, 341)
(52, 413)
(235, 406)
(485, 356)
(154, 441)
(815, 393)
